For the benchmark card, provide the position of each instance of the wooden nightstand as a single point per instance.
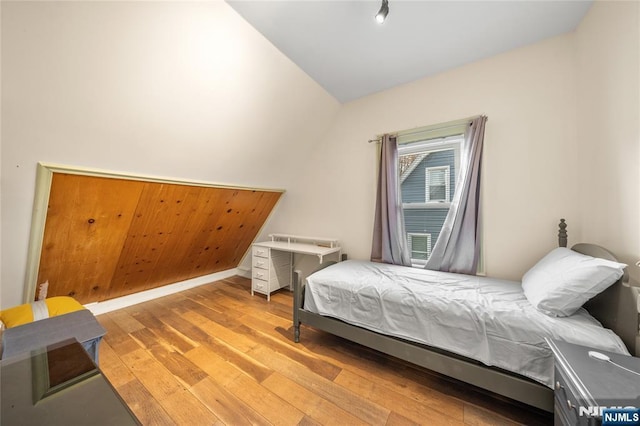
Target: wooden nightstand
(583, 385)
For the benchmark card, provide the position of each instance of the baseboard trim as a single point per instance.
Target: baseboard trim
(144, 296)
(244, 272)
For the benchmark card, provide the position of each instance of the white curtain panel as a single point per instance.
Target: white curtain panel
(389, 239)
(458, 245)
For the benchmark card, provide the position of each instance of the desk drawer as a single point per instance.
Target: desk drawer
(258, 251)
(260, 262)
(270, 269)
(566, 403)
(260, 286)
(260, 274)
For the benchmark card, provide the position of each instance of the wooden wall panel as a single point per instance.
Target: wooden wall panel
(86, 226)
(150, 233)
(150, 239)
(199, 210)
(238, 227)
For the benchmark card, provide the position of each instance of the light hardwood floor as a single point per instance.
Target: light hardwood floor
(217, 355)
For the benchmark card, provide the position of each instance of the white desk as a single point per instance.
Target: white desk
(272, 261)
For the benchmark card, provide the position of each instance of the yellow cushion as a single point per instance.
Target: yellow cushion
(22, 314)
(61, 305)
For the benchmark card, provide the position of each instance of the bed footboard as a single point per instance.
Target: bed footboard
(298, 297)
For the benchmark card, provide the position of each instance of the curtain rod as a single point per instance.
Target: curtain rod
(427, 129)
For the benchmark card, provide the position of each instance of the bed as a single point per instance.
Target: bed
(421, 316)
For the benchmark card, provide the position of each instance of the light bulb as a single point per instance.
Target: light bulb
(383, 12)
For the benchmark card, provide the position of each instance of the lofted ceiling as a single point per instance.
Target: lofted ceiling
(339, 44)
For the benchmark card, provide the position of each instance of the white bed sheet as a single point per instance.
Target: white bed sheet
(489, 320)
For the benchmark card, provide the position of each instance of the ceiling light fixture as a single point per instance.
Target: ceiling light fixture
(383, 12)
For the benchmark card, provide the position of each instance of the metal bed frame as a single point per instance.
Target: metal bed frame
(617, 308)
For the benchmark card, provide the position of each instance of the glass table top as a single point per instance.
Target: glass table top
(58, 385)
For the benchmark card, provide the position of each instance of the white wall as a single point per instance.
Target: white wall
(529, 178)
(171, 89)
(608, 76)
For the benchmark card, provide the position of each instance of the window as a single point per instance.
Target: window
(420, 246)
(437, 185)
(428, 168)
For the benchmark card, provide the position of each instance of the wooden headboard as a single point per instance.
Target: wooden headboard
(618, 307)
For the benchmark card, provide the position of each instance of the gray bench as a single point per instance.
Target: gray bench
(81, 325)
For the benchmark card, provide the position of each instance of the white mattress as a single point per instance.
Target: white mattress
(486, 319)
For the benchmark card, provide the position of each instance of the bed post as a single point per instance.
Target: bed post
(562, 233)
(297, 304)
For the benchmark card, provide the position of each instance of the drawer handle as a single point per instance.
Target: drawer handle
(559, 386)
(260, 275)
(570, 405)
(259, 263)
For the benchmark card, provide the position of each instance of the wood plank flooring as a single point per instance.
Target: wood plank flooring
(215, 355)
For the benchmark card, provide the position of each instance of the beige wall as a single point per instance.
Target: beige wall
(189, 90)
(170, 89)
(556, 110)
(529, 179)
(608, 82)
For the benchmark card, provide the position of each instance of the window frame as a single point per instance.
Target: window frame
(447, 185)
(418, 262)
(432, 145)
(427, 144)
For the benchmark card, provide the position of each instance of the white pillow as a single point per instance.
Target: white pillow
(562, 281)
